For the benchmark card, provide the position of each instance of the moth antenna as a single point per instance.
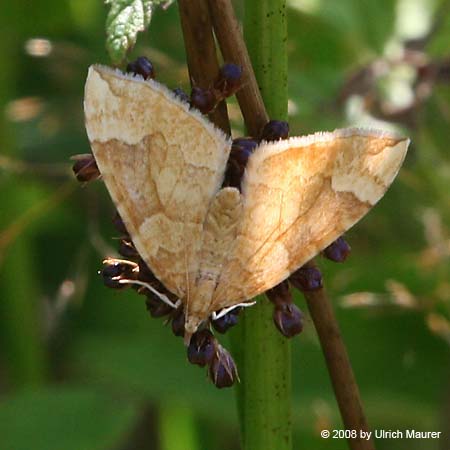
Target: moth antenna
(118, 260)
(224, 311)
(162, 297)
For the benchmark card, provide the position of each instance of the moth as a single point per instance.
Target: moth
(217, 248)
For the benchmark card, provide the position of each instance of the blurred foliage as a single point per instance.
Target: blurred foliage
(83, 367)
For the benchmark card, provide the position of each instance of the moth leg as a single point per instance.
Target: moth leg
(162, 297)
(221, 313)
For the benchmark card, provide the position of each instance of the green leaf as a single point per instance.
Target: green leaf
(69, 418)
(125, 20)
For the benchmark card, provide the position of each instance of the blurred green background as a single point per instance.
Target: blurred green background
(83, 367)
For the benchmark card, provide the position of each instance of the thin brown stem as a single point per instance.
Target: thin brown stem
(229, 37)
(234, 50)
(201, 52)
(339, 367)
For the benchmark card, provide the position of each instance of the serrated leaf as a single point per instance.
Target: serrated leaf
(125, 20)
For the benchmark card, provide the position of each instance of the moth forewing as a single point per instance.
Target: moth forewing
(162, 165)
(300, 195)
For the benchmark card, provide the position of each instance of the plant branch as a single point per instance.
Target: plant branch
(339, 367)
(201, 52)
(234, 50)
(265, 33)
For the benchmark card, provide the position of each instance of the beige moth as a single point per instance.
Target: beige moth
(212, 247)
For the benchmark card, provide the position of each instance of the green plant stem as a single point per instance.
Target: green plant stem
(265, 32)
(264, 356)
(264, 394)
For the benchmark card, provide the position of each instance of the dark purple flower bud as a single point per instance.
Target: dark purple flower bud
(119, 225)
(280, 293)
(85, 168)
(307, 279)
(178, 322)
(117, 270)
(202, 348)
(241, 150)
(274, 130)
(181, 94)
(127, 249)
(112, 283)
(288, 319)
(338, 251)
(203, 99)
(227, 321)
(155, 306)
(229, 80)
(223, 371)
(142, 66)
(146, 275)
(245, 145)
